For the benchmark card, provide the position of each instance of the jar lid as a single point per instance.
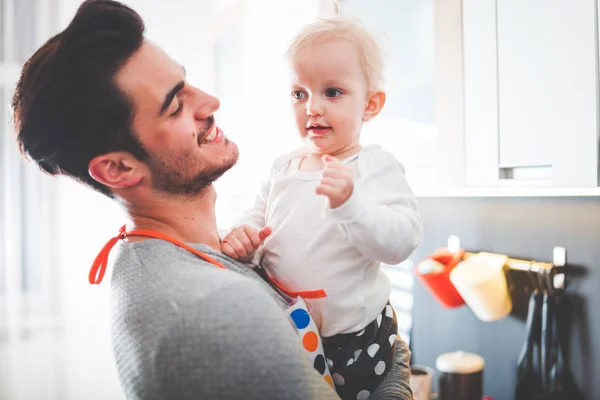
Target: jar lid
(460, 362)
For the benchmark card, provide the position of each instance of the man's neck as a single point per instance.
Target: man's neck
(185, 218)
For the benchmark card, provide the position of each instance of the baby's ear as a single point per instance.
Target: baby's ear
(375, 103)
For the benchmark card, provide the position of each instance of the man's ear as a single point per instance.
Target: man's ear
(375, 103)
(116, 170)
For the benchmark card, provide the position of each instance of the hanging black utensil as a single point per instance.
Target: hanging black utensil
(561, 385)
(546, 340)
(528, 377)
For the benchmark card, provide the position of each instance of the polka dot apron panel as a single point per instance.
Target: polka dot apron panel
(309, 335)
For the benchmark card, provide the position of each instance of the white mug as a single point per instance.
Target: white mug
(481, 282)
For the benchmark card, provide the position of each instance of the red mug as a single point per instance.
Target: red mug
(438, 282)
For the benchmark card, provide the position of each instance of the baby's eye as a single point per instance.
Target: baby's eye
(332, 92)
(298, 95)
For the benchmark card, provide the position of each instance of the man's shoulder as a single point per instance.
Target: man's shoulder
(151, 293)
(157, 271)
(172, 315)
(181, 293)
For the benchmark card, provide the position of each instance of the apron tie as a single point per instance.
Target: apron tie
(99, 265)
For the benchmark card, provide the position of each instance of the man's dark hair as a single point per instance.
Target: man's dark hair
(67, 106)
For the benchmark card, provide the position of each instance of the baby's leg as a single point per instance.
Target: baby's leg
(359, 361)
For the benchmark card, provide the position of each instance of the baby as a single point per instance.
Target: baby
(331, 212)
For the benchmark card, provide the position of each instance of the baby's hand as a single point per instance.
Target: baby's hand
(242, 242)
(337, 182)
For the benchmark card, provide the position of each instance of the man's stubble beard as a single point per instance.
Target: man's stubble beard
(168, 178)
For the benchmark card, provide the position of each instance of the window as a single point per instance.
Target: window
(27, 199)
(406, 125)
(29, 282)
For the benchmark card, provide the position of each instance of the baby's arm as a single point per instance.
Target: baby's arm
(380, 218)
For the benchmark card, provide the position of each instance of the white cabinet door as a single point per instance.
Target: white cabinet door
(530, 92)
(547, 91)
(480, 64)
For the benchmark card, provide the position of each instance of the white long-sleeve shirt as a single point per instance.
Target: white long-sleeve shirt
(339, 250)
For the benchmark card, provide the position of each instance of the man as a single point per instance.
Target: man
(100, 103)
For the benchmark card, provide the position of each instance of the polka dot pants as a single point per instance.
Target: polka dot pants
(359, 361)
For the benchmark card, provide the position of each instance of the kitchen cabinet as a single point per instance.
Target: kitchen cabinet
(530, 92)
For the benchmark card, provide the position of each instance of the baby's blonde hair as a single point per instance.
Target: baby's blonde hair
(369, 50)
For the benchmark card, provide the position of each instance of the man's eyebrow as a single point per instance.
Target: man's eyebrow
(169, 97)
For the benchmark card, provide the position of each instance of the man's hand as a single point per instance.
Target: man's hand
(337, 182)
(242, 242)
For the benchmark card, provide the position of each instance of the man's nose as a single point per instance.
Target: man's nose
(206, 105)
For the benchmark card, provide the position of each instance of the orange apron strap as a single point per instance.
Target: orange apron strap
(99, 265)
(307, 294)
(158, 235)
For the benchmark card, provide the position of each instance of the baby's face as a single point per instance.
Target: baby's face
(329, 94)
